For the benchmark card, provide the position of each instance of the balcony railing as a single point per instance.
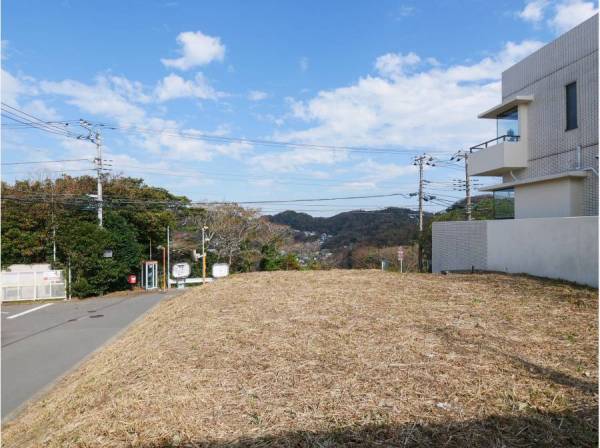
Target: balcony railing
(495, 141)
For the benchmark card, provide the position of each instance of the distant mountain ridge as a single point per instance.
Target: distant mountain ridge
(382, 228)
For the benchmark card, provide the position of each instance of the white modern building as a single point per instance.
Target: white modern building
(545, 155)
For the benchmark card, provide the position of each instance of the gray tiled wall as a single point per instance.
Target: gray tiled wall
(459, 245)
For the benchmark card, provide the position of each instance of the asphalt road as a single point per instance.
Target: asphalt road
(40, 346)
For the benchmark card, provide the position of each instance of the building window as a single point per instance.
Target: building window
(504, 204)
(571, 91)
(507, 123)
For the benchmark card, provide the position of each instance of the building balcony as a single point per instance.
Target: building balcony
(498, 156)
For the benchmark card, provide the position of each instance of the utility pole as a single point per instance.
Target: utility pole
(95, 137)
(464, 155)
(421, 161)
(164, 269)
(204, 229)
(164, 265)
(168, 258)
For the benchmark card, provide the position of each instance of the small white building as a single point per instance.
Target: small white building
(545, 155)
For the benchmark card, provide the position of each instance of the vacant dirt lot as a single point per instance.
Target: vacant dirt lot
(352, 358)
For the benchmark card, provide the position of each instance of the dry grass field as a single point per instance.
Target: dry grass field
(338, 358)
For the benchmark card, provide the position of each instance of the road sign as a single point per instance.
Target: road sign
(400, 253)
(181, 270)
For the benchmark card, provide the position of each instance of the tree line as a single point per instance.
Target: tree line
(55, 221)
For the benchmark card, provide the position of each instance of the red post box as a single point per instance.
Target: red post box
(132, 279)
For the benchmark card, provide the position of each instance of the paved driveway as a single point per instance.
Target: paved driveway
(41, 342)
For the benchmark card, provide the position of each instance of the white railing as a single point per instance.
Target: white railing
(30, 285)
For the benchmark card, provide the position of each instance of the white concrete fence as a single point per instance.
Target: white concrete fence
(32, 282)
(560, 248)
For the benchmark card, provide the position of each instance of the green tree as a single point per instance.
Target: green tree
(84, 243)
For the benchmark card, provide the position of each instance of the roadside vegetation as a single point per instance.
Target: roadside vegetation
(338, 358)
(38, 215)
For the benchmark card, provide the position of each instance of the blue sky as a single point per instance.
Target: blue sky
(403, 76)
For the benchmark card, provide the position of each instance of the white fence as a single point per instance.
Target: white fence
(31, 285)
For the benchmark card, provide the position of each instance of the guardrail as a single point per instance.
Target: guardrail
(495, 141)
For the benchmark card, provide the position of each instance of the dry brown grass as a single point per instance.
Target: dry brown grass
(338, 358)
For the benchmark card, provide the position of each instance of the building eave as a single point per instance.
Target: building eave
(578, 174)
(505, 106)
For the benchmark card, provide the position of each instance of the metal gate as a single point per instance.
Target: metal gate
(31, 285)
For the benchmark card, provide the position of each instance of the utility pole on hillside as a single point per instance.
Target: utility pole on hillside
(95, 137)
(464, 155)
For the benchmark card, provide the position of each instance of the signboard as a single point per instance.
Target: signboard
(400, 253)
(51, 275)
(107, 253)
(181, 270)
(220, 270)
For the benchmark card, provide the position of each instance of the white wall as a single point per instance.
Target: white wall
(562, 248)
(556, 198)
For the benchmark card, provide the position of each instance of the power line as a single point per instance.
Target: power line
(306, 200)
(45, 161)
(233, 139)
(28, 119)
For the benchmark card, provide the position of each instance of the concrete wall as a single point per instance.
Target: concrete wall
(562, 248)
(556, 198)
(544, 74)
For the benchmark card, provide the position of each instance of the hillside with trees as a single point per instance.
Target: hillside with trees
(382, 228)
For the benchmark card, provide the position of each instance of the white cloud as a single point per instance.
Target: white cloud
(395, 64)
(12, 88)
(385, 171)
(132, 90)
(39, 109)
(291, 160)
(257, 95)
(303, 62)
(533, 11)
(358, 185)
(562, 15)
(121, 101)
(433, 109)
(102, 98)
(570, 13)
(405, 11)
(196, 49)
(174, 86)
